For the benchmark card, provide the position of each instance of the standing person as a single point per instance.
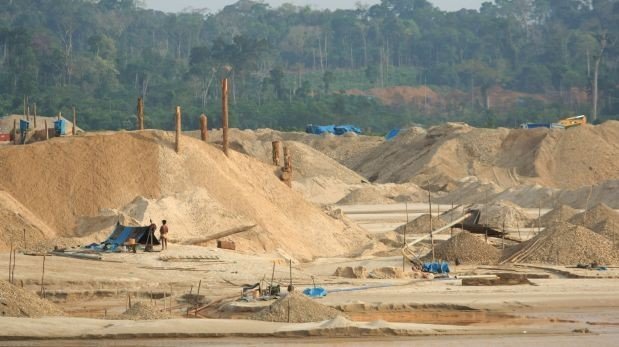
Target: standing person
(163, 234)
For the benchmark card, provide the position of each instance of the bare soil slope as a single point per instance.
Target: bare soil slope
(79, 177)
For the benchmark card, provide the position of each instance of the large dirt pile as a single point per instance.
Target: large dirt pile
(564, 244)
(144, 311)
(501, 213)
(81, 176)
(17, 302)
(594, 217)
(302, 310)
(465, 248)
(421, 224)
(21, 227)
(507, 157)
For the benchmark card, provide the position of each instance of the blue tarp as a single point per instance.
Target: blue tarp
(332, 129)
(122, 234)
(317, 292)
(435, 268)
(393, 133)
(24, 125)
(60, 127)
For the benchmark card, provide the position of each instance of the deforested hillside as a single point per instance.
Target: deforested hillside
(66, 179)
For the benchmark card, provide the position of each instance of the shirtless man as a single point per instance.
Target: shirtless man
(163, 235)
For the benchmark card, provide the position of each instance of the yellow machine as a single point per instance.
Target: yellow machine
(573, 121)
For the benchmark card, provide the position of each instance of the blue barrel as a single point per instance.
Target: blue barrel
(24, 125)
(60, 127)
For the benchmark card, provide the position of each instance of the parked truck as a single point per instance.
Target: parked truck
(562, 124)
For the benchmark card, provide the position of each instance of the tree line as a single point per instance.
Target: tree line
(292, 65)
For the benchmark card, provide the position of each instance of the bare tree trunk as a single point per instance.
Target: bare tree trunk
(598, 59)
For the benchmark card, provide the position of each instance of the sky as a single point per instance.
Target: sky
(216, 5)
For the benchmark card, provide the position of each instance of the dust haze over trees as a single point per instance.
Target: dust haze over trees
(290, 66)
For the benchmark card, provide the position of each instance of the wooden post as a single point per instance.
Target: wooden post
(43, 278)
(287, 169)
(430, 208)
(203, 128)
(73, 130)
(25, 243)
(59, 115)
(404, 239)
(35, 115)
(25, 102)
(15, 141)
(224, 107)
(177, 117)
(14, 262)
(277, 152)
(140, 114)
(28, 113)
(46, 131)
(10, 261)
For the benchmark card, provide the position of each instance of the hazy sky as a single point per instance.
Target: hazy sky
(215, 5)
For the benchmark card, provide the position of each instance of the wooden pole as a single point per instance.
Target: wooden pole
(14, 262)
(25, 243)
(140, 114)
(10, 261)
(430, 209)
(25, 105)
(73, 130)
(287, 170)
(59, 115)
(28, 113)
(15, 141)
(177, 117)
(46, 131)
(35, 115)
(277, 152)
(272, 278)
(539, 218)
(404, 240)
(43, 278)
(203, 128)
(224, 108)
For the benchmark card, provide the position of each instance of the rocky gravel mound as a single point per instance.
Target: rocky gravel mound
(144, 311)
(302, 310)
(421, 224)
(465, 248)
(17, 302)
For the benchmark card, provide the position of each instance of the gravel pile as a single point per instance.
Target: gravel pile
(465, 248)
(144, 311)
(17, 302)
(421, 224)
(302, 310)
(497, 213)
(565, 244)
(562, 213)
(598, 218)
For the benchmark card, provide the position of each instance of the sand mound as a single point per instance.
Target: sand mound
(302, 310)
(21, 227)
(143, 311)
(465, 248)
(351, 272)
(17, 302)
(564, 244)
(365, 195)
(595, 216)
(497, 213)
(506, 157)
(387, 273)
(559, 214)
(421, 224)
(83, 176)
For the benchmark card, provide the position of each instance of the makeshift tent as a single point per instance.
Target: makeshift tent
(332, 129)
(343, 129)
(122, 234)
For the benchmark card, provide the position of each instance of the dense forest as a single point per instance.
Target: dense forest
(508, 62)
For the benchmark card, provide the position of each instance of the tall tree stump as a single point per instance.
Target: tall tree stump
(177, 117)
(204, 127)
(277, 150)
(224, 109)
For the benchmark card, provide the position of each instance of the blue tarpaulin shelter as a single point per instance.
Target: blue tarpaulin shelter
(332, 129)
(122, 234)
(391, 134)
(60, 127)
